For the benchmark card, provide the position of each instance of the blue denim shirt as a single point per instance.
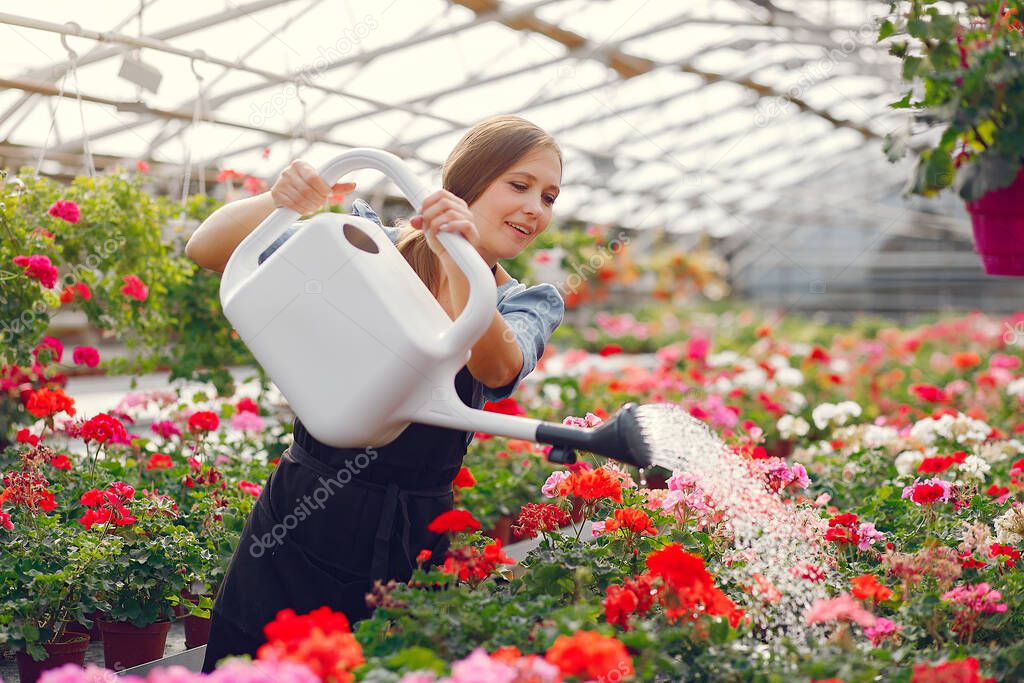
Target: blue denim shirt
(532, 313)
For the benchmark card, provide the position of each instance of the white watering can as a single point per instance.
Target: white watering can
(358, 345)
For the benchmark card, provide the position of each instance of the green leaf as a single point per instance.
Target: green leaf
(887, 29)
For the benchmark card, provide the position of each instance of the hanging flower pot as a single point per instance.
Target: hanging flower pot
(126, 645)
(998, 220)
(69, 648)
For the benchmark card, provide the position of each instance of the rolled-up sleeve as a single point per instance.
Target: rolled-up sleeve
(532, 314)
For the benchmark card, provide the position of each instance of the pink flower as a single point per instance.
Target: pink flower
(550, 487)
(589, 421)
(142, 166)
(253, 185)
(247, 422)
(597, 529)
(134, 288)
(86, 355)
(53, 347)
(842, 608)
(882, 628)
(165, 429)
(478, 666)
(65, 210)
(980, 598)
(38, 268)
(868, 535)
(250, 488)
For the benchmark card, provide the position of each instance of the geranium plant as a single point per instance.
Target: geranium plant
(967, 76)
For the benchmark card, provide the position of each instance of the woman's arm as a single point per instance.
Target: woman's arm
(299, 188)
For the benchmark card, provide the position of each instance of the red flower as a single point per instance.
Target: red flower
(935, 464)
(250, 488)
(24, 436)
(322, 640)
(47, 402)
(464, 479)
(819, 355)
(507, 406)
(469, 564)
(142, 166)
(65, 210)
(689, 590)
(247, 405)
(86, 355)
(591, 485)
(847, 519)
(954, 671)
(61, 462)
(610, 350)
(423, 556)
(5, 521)
(103, 428)
(866, 587)
(67, 295)
(159, 461)
(1007, 551)
(635, 595)
(454, 521)
(965, 360)
(929, 393)
(590, 656)
(926, 494)
(134, 288)
(203, 421)
(228, 174)
(539, 517)
(253, 185)
(631, 519)
(38, 268)
(53, 349)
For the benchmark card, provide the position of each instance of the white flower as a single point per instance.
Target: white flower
(839, 365)
(792, 426)
(974, 467)
(789, 377)
(876, 436)
(1010, 526)
(722, 385)
(907, 462)
(1016, 388)
(753, 378)
(722, 359)
(823, 414)
(778, 361)
(834, 414)
(961, 429)
(795, 402)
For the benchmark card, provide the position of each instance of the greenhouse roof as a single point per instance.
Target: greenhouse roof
(685, 116)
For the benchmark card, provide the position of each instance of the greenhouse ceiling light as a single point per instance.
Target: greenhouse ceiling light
(141, 74)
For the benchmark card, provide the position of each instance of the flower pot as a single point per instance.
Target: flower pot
(998, 220)
(782, 448)
(125, 645)
(69, 649)
(197, 631)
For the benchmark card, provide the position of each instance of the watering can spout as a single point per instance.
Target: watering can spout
(619, 438)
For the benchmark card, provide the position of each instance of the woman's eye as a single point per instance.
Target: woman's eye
(519, 186)
(549, 199)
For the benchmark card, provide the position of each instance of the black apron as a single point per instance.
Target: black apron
(331, 521)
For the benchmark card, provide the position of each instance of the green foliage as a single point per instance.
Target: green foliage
(49, 575)
(968, 71)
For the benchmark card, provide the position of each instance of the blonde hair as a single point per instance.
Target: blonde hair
(484, 152)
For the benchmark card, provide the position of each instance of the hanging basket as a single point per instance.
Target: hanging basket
(998, 220)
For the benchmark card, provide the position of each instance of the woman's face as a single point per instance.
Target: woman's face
(516, 207)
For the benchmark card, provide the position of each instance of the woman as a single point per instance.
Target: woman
(331, 521)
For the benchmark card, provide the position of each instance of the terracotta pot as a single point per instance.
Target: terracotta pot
(998, 220)
(502, 530)
(125, 646)
(69, 649)
(197, 631)
(780, 449)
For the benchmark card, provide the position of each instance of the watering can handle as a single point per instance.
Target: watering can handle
(479, 310)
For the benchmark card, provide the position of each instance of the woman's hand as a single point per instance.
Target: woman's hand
(301, 189)
(445, 212)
